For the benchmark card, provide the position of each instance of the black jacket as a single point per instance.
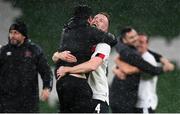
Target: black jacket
(19, 68)
(157, 56)
(79, 37)
(123, 93)
(130, 55)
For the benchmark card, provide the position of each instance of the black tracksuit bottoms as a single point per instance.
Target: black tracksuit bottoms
(75, 94)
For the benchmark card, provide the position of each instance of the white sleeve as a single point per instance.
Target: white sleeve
(149, 58)
(102, 49)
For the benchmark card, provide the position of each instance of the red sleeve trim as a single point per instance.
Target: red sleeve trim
(102, 56)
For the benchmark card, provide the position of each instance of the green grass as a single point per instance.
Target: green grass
(45, 108)
(168, 93)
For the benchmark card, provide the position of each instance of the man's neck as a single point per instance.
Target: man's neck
(22, 42)
(144, 52)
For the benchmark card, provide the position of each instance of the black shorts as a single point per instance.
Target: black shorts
(99, 106)
(75, 95)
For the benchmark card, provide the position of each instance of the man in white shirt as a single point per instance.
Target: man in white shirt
(97, 67)
(147, 97)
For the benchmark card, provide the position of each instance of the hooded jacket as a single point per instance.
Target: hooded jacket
(19, 68)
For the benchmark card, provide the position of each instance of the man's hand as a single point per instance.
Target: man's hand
(62, 71)
(119, 73)
(65, 56)
(125, 67)
(45, 94)
(168, 67)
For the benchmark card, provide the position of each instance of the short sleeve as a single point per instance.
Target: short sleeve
(102, 50)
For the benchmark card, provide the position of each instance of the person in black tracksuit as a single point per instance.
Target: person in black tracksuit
(20, 62)
(123, 93)
(78, 37)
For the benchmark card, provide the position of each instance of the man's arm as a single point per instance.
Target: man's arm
(125, 67)
(170, 66)
(99, 36)
(85, 67)
(165, 62)
(65, 56)
(136, 60)
(157, 56)
(102, 52)
(45, 73)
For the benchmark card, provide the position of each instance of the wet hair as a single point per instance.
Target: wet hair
(82, 11)
(124, 31)
(144, 34)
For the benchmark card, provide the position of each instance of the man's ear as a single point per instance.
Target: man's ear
(24, 37)
(90, 19)
(124, 40)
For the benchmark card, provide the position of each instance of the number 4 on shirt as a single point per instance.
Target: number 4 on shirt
(98, 109)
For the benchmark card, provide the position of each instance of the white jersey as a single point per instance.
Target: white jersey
(98, 79)
(147, 96)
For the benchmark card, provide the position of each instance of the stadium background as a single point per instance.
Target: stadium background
(157, 18)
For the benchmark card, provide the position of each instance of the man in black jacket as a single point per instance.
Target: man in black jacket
(20, 63)
(147, 97)
(123, 93)
(78, 37)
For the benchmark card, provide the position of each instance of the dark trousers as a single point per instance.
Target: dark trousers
(144, 110)
(99, 106)
(75, 95)
(9, 104)
(123, 94)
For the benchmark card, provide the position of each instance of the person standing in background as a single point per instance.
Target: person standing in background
(20, 62)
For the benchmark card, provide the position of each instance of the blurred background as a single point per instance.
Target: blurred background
(160, 19)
